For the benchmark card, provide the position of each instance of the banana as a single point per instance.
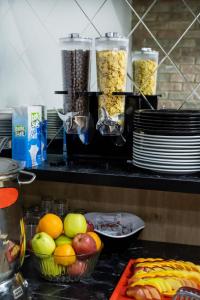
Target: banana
(49, 268)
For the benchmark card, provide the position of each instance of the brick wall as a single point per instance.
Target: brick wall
(168, 20)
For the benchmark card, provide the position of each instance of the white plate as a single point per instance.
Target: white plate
(53, 128)
(168, 171)
(5, 135)
(122, 221)
(195, 162)
(167, 136)
(160, 167)
(164, 146)
(5, 128)
(167, 155)
(168, 166)
(167, 141)
(143, 138)
(6, 114)
(163, 149)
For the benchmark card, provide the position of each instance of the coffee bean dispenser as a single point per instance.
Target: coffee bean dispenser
(75, 54)
(111, 61)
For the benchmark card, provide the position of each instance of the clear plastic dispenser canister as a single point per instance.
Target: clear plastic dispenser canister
(76, 56)
(111, 59)
(145, 64)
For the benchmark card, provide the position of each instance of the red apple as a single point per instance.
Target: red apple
(83, 243)
(12, 251)
(90, 226)
(78, 268)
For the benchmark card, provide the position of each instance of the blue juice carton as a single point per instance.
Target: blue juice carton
(26, 135)
(44, 134)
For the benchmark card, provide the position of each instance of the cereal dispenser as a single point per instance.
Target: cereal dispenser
(75, 53)
(145, 63)
(111, 60)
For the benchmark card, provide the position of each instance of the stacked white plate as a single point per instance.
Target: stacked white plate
(54, 125)
(167, 153)
(5, 123)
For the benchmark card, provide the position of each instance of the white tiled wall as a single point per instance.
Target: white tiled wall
(30, 68)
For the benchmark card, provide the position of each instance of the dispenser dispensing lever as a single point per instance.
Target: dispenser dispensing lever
(67, 119)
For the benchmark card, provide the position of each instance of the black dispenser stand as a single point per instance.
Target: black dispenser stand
(98, 149)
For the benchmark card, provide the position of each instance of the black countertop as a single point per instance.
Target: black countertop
(125, 175)
(107, 273)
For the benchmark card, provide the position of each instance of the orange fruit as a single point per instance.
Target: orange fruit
(97, 239)
(64, 255)
(51, 224)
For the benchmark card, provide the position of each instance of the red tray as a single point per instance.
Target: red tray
(120, 289)
(119, 292)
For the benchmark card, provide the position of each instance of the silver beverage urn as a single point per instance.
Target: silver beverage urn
(12, 230)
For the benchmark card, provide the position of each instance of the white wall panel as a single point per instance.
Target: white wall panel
(30, 65)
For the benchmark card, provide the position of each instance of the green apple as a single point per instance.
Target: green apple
(63, 239)
(74, 223)
(43, 244)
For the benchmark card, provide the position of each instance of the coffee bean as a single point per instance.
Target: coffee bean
(75, 67)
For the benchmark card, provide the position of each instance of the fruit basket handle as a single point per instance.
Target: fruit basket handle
(33, 176)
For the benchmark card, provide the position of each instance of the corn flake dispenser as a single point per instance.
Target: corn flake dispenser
(111, 60)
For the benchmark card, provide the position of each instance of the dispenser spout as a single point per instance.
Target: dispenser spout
(73, 123)
(67, 120)
(107, 125)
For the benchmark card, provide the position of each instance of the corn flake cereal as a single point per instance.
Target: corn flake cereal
(144, 75)
(111, 77)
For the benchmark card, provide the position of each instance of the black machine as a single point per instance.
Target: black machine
(97, 148)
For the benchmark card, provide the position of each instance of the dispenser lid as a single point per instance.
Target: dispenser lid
(148, 50)
(74, 37)
(8, 167)
(113, 35)
(145, 50)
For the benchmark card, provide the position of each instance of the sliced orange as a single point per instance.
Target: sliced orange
(97, 239)
(64, 255)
